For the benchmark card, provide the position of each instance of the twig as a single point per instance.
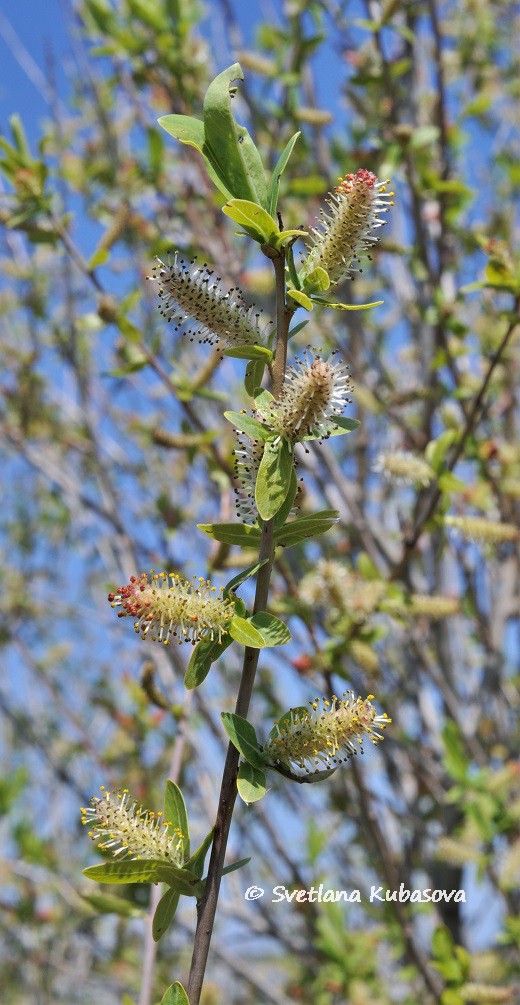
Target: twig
(206, 908)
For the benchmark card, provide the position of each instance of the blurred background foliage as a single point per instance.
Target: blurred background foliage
(114, 447)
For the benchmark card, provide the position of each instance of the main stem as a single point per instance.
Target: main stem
(207, 906)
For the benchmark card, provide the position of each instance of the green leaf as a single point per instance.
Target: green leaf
(285, 236)
(190, 131)
(284, 510)
(241, 577)
(253, 217)
(448, 482)
(238, 159)
(253, 376)
(183, 881)
(243, 736)
(367, 567)
(205, 653)
(259, 352)
(247, 424)
(316, 281)
(273, 480)
(280, 166)
(105, 903)
(272, 630)
(436, 450)
(251, 783)
(455, 759)
(243, 632)
(175, 814)
(233, 533)
(175, 995)
(343, 426)
(196, 862)
(346, 307)
(442, 944)
(305, 527)
(301, 298)
(164, 913)
(134, 871)
(241, 861)
(263, 399)
(298, 328)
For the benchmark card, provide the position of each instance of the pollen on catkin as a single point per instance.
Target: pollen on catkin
(315, 391)
(221, 317)
(478, 528)
(166, 606)
(121, 826)
(343, 235)
(324, 735)
(401, 466)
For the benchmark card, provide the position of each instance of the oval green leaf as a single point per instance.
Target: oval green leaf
(272, 630)
(175, 813)
(243, 736)
(273, 481)
(175, 995)
(243, 632)
(251, 785)
(301, 298)
(164, 914)
(203, 655)
(233, 533)
(249, 214)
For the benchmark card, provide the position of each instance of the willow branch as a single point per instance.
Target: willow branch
(207, 906)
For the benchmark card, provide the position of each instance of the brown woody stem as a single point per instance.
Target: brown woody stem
(207, 906)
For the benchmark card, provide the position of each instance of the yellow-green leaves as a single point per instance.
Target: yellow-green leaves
(301, 299)
(205, 653)
(274, 184)
(251, 783)
(231, 158)
(259, 631)
(175, 995)
(256, 222)
(243, 736)
(175, 814)
(316, 281)
(164, 913)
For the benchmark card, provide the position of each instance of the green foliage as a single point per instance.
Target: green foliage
(273, 481)
(175, 814)
(164, 913)
(175, 995)
(251, 783)
(243, 736)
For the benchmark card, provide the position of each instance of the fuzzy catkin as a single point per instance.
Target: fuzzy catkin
(344, 234)
(189, 291)
(167, 606)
